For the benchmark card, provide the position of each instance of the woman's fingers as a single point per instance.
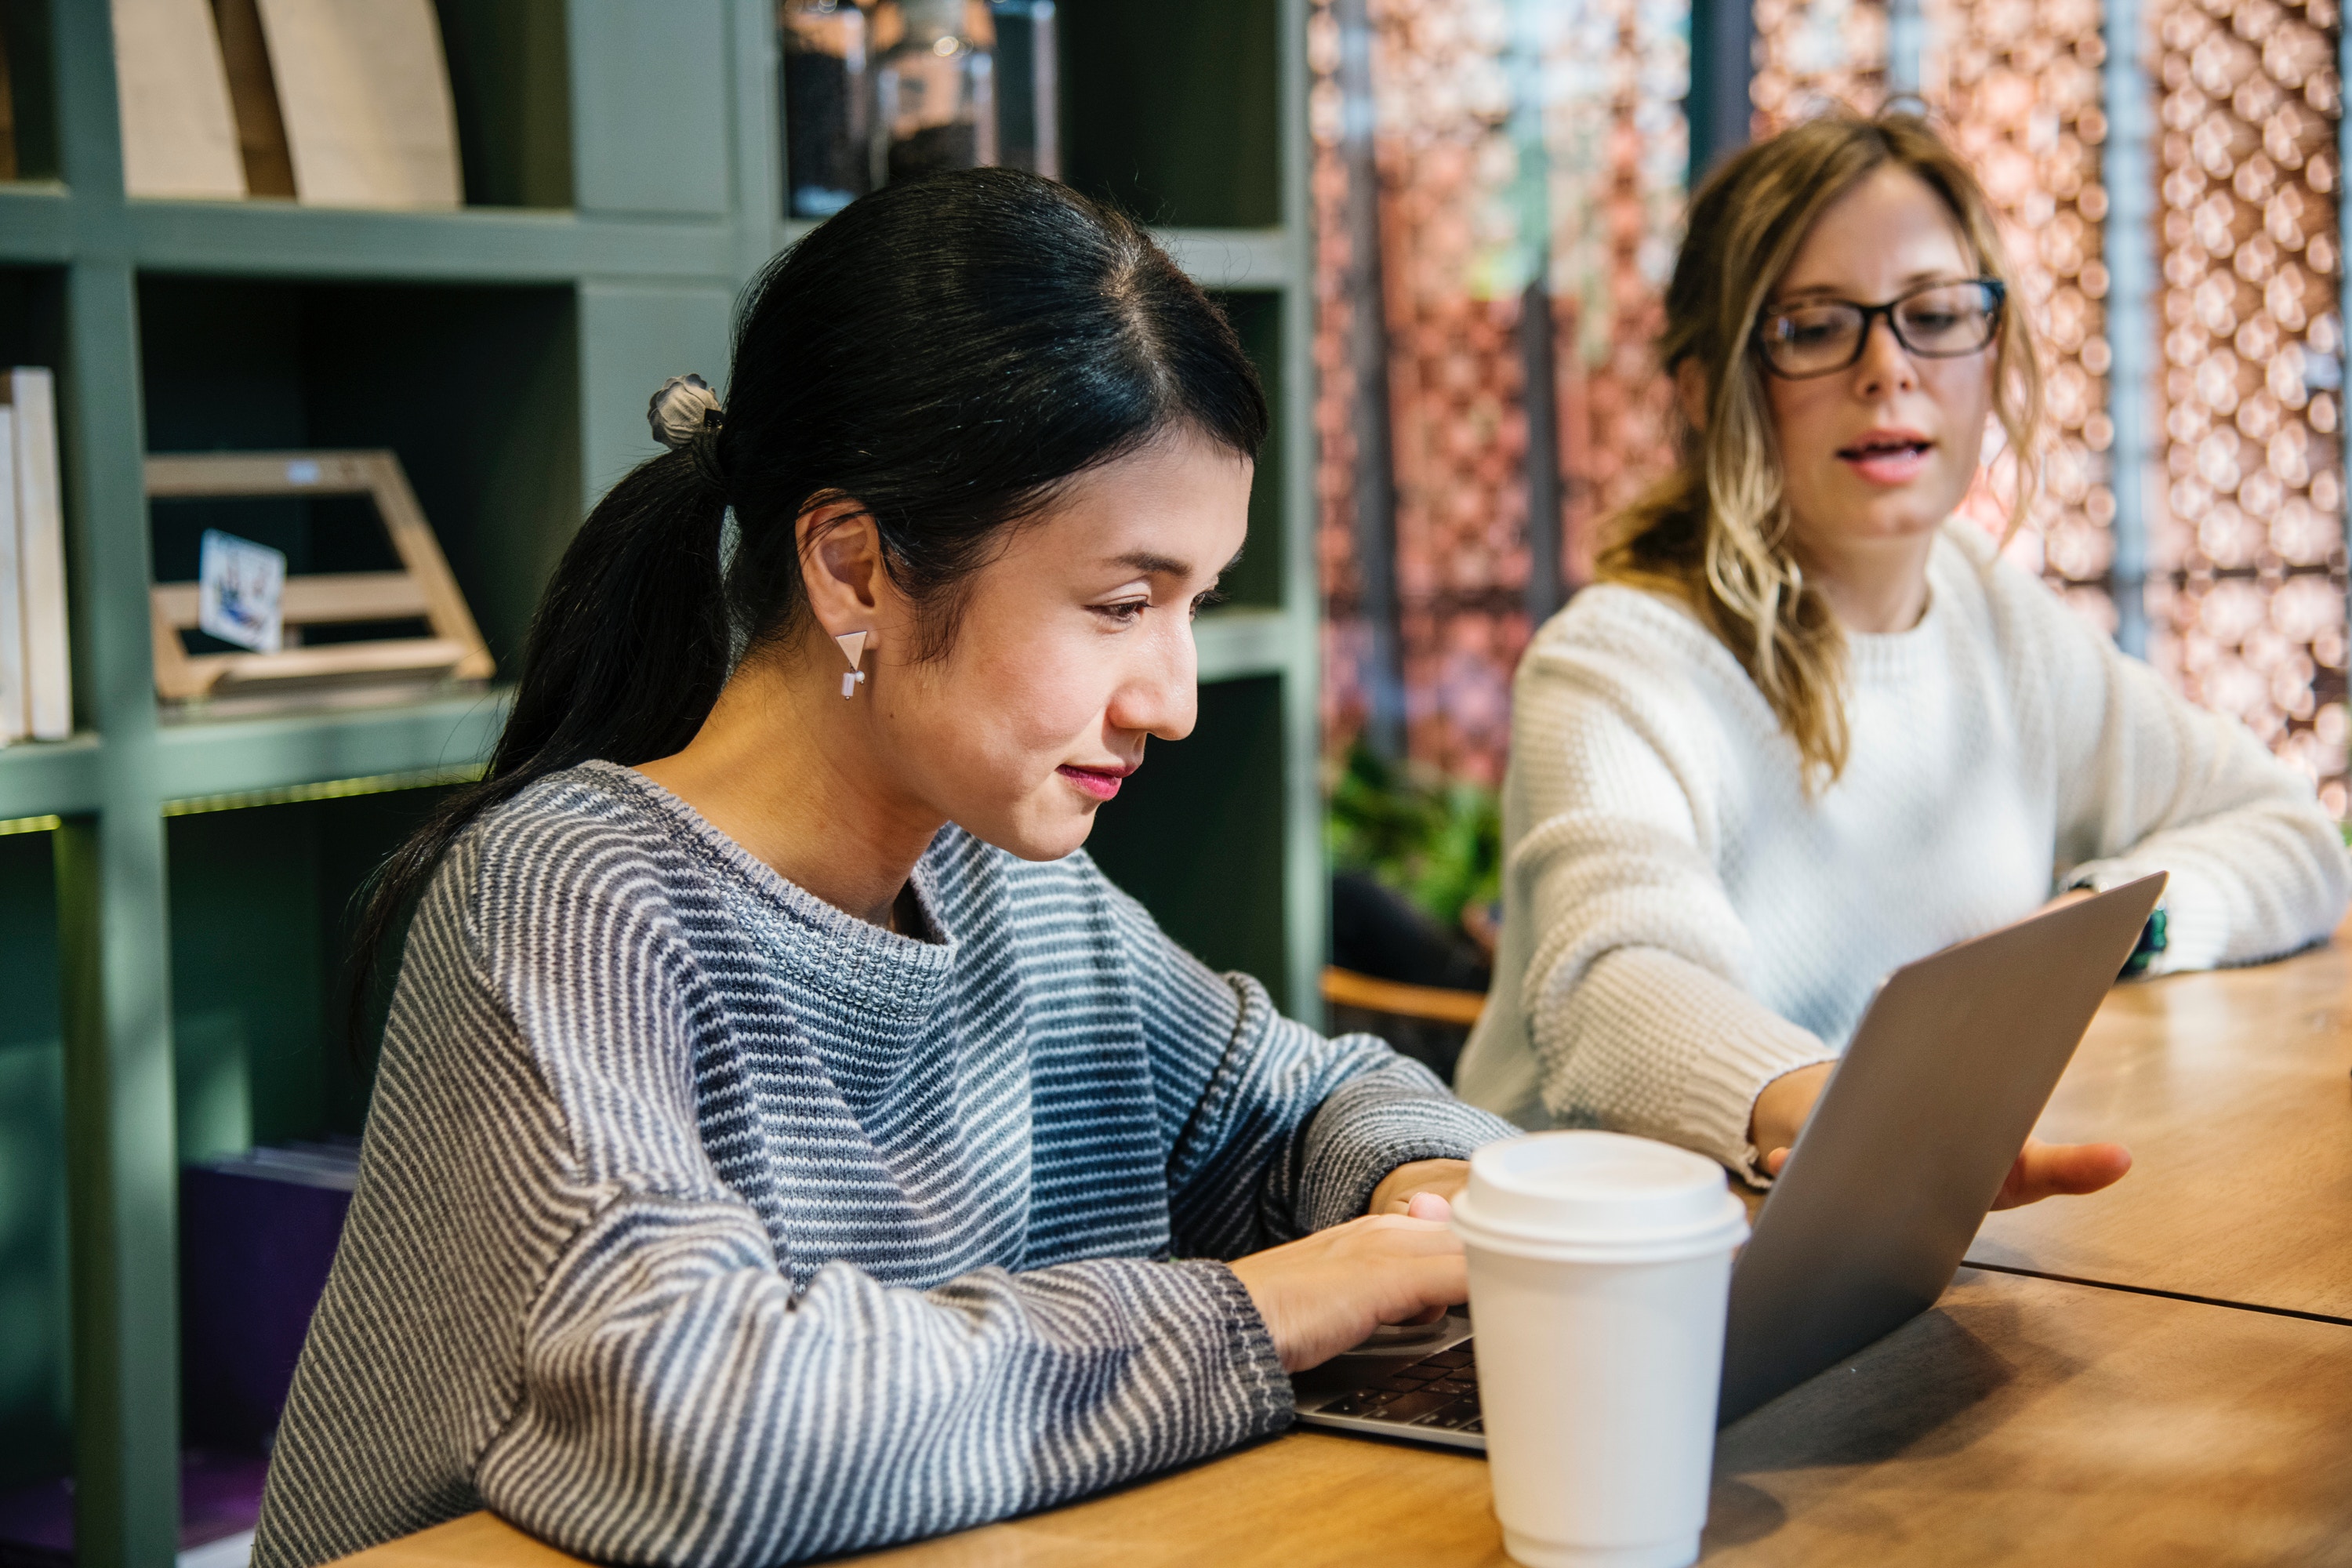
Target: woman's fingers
(2053, 1170)
(1324, 1292)
(2042, 1171)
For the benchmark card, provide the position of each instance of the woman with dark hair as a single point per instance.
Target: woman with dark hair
(784, 1141)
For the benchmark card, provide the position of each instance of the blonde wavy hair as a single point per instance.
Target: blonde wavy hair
(1716, 532)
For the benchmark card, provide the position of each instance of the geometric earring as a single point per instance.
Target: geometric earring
(853, 646)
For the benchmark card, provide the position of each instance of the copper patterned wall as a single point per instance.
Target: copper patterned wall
(2244, 518)
(1477, 200)
(2246, 595)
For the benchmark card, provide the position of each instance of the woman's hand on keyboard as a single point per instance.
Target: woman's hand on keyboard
(1325, 1292)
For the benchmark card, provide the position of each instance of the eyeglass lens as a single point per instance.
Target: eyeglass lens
(1941, 321)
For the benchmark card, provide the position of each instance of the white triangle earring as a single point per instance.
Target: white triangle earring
(853, 646)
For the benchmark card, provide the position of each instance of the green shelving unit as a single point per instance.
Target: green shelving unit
(173, 886)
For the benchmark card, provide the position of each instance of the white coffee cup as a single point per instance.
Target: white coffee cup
(1599, 1265)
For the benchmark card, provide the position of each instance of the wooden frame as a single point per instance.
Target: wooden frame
(422, 589)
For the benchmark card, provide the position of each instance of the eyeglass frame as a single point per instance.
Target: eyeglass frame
(1870, 315)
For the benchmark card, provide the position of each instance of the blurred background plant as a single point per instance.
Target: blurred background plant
(1435, 840)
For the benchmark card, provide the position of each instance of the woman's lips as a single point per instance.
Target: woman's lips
(1892, 463)
(1100, 782)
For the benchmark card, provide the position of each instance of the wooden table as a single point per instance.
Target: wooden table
(2026, 1420)
(2233, 1091)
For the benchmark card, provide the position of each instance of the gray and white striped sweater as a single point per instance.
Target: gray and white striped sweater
(701, 1222)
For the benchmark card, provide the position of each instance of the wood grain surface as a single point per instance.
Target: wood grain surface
(2233, 1091)
(2028, 1421)
(2023, 1422)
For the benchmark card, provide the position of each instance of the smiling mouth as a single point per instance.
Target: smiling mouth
(1100, 782)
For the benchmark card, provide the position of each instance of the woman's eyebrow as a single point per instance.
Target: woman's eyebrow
(1153, 565)
(1813, 290)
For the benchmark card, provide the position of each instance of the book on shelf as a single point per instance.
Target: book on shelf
(253, 96)
(364, 91)
(179, 137)
(40, 530)
(15, 710)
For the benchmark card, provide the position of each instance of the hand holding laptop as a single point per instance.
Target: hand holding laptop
(2042, 1170)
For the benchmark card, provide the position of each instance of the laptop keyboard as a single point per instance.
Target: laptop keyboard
(1438, 1391)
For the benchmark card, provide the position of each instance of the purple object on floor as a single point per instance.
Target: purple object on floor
(258, 1234)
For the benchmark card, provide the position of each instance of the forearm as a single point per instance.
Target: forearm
(1649, 1043)
(687, 1408)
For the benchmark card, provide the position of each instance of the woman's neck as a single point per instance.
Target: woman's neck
(1871, 585)
(787, 777)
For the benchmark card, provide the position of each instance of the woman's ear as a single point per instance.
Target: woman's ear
(1690, 391)
(841, 565)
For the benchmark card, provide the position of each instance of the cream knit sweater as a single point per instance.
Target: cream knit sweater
(1681, 925)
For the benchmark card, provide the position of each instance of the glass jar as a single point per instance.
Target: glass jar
(934, 87)
(828, 101)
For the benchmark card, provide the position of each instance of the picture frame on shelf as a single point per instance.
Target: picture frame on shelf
(423, 588)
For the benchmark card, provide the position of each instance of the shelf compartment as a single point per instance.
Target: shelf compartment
(279, 239)
(48, 778)
(511, 83)
(477, 389)
(213, 764)
(35, 1417)
(30, 150)
(1173, 112)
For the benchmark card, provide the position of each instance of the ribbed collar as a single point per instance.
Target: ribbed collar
(840, 966)
(1877, 657)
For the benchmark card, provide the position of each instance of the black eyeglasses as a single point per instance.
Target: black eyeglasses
(1934, 321)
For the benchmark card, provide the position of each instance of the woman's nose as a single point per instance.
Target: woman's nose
(1161, 694)
(1885, 365)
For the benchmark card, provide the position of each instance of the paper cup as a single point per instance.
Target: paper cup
(1599, 1265)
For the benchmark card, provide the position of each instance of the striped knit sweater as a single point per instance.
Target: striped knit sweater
(701, 1222)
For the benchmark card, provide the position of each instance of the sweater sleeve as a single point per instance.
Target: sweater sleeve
(677, 1402)
(1632, 991)
(2149, 782)
(1272, 1129)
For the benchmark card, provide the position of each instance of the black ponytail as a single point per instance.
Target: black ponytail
(946, 352)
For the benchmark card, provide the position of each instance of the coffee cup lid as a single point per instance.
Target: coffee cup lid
(1603, 1192)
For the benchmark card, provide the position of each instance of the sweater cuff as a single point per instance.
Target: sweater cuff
(1376, 1122)
(1739, 1071)
(1251, 1361)
(1662, 1048)
(2196, 910)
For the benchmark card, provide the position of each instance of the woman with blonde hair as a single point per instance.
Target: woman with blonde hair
(1809, 726)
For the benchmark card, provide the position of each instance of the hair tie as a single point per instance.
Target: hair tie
(683, 409)
(684, 415)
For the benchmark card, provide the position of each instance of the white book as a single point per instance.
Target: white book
(364, 87)
(12, 592)
(41, 554)
(179, 135)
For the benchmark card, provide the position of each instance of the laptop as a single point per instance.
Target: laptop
(1905, 1151)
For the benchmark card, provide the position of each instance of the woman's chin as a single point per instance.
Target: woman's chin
(1040, 835)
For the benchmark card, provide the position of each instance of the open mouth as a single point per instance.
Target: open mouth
(1888, 457)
